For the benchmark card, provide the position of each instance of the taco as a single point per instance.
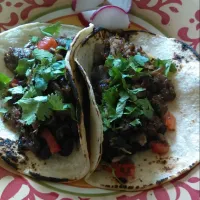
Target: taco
(42, 132)
(146, 89)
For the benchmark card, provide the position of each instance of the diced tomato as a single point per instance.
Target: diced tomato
(53, 145)
(121, 170)
(47, 43)
(14, 83)
(170, 121)
(159, 147)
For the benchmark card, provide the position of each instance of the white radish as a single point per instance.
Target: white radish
(82, 5)
(110, 17)
(123, 4)
(84, 17)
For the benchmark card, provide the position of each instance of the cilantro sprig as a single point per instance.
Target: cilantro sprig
(52, 29)
(42, 107)
(120, 99)
(168, 65)
(38, 72)
(4, 81)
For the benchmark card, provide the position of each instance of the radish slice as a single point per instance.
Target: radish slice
(124, 4)
(81, 5)
(110, 17)
(84, 17)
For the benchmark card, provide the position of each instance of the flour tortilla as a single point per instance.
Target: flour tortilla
(151, 169)
(56, 168)
(94, 132)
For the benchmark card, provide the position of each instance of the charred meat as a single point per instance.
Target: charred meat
(39, 100)
(132, 91)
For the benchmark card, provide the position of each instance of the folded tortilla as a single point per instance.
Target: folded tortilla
(151, 169)
(56, 168)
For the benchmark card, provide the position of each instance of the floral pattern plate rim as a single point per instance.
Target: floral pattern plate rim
(159, 16)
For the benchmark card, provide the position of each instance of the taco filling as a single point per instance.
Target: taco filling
(132, 90)
(38, 102)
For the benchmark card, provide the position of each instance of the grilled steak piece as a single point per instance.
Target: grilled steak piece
(12, 57)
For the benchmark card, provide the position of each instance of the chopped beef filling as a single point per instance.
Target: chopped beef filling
(61, 41)
(61, 128)
(12, 57)
(121, 138)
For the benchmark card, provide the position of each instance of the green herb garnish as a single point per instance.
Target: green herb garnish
(169, 66)
(120, 99)
(4, 81)
(35, 39)
(52, 29)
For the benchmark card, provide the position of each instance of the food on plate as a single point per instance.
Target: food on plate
(42, 132)
(144, 106)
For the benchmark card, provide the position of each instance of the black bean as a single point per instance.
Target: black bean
(151, 131)
(162, 129)
(168, 94)
(67, 147)
(44, 153)
(123, 180)
(74, 128)
(63, 132)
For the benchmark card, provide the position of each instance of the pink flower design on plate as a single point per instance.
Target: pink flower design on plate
(32, 4)
(158, 8)
(13, 21)
(183, 32)
(14, 187)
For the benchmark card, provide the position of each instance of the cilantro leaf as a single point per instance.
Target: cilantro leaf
(170, 67)
(3, 110)
(51, 29)
(6, 99)
(136, 122)
(56, 102)
(35, 39)
(33, 108)
(132, 95)
(59, 65)
(110, 98)
(121, 105)
(4, 81)
(115, 74)
(29, 109)
(61, 48)
(43, 74)
(42, 55)
(129, 110)
(28, 73)
(30, 93)
(29, 117)
(137, 90)
(44, 111)
(145, 105)
(109, 61)
(135, 67)
(68, 43)
(50, 103)
(40, 83)
(140, 60)
(23, 66)
(117, 63)
(16, 90)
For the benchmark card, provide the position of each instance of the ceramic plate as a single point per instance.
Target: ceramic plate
(172, 18)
